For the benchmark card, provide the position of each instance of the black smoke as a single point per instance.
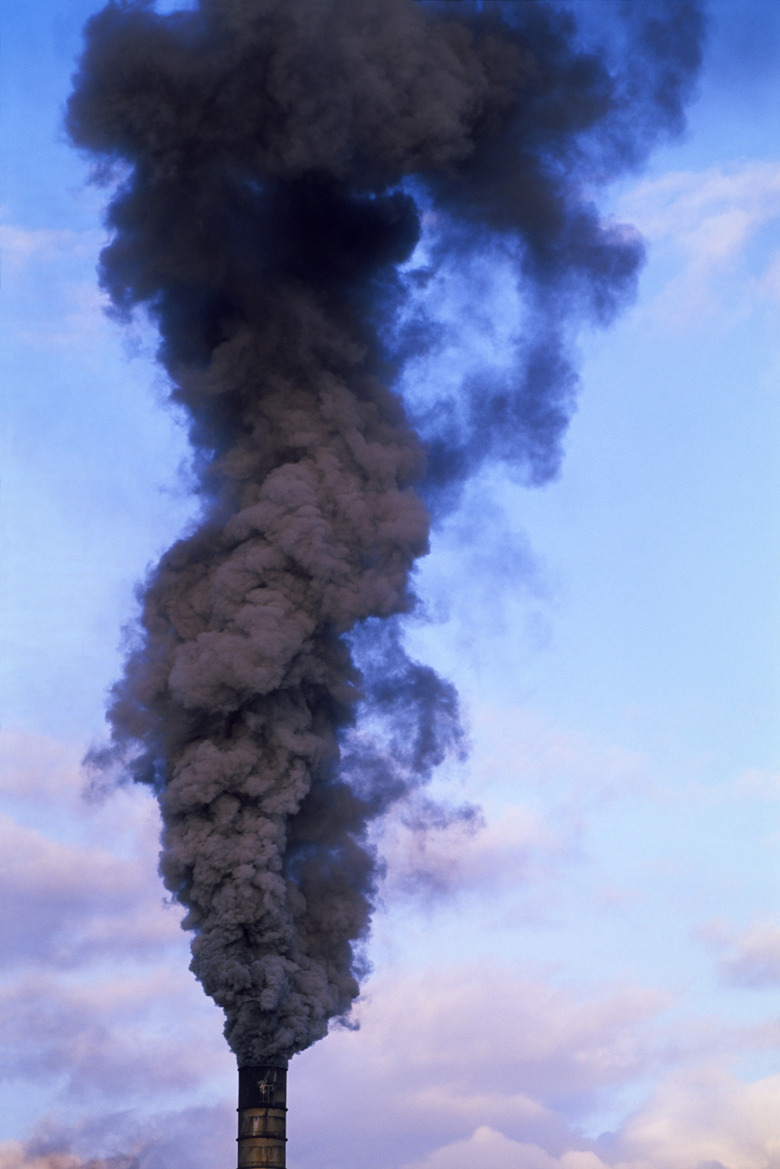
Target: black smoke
(271, 159)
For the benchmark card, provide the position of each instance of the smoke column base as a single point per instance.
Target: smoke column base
(262, 1116)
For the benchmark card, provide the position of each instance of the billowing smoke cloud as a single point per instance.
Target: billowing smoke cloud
(272, 158)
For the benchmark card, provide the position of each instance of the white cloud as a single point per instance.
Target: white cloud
(444, 1052)
(21, 246)
(42, 786)
(488, 1149)
(485, 1068)
(38, 769)
(79, 878)
(96, 1000)
(718, 206)
(705, 1117)
(512, 1029)
(700, 1119)
(114, 1038)
(707, 221)
(48, 276)
(750, 958)
(460, 1067)
(63, 904)
(755, 958)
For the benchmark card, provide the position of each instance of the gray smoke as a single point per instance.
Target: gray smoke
(270, 160)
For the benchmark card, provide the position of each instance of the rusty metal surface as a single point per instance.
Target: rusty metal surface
(262, 1111)
(257, 1123)
(256, 1157)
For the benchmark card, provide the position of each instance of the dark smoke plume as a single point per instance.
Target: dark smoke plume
(271, 159)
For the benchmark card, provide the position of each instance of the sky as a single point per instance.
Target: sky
(585, 976)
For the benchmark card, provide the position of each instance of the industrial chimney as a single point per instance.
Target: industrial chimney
(262, 1116)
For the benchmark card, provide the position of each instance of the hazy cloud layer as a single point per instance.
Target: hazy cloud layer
(82, 886)
(488, 1149)
(95, 999)
(503, 1093)
(448, 1052)
(108, 1037)
(497, 1064)
(70, 905)
(701, 1119)
(747, 958)
(704, 1119)
(14, 1155)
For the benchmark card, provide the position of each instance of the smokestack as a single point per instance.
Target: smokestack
(262, 1116)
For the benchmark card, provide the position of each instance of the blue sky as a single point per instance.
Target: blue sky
(590, 978)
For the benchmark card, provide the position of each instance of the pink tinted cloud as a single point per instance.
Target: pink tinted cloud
(443, 1053)
(704, 1117)
(199, 1138)
(79, 877)
(15, 1155)
(749, 958)
(66, 904)
(44, 787)
(97, 1006)
(116, 1039)
(488, 1149)
(700, 1118)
